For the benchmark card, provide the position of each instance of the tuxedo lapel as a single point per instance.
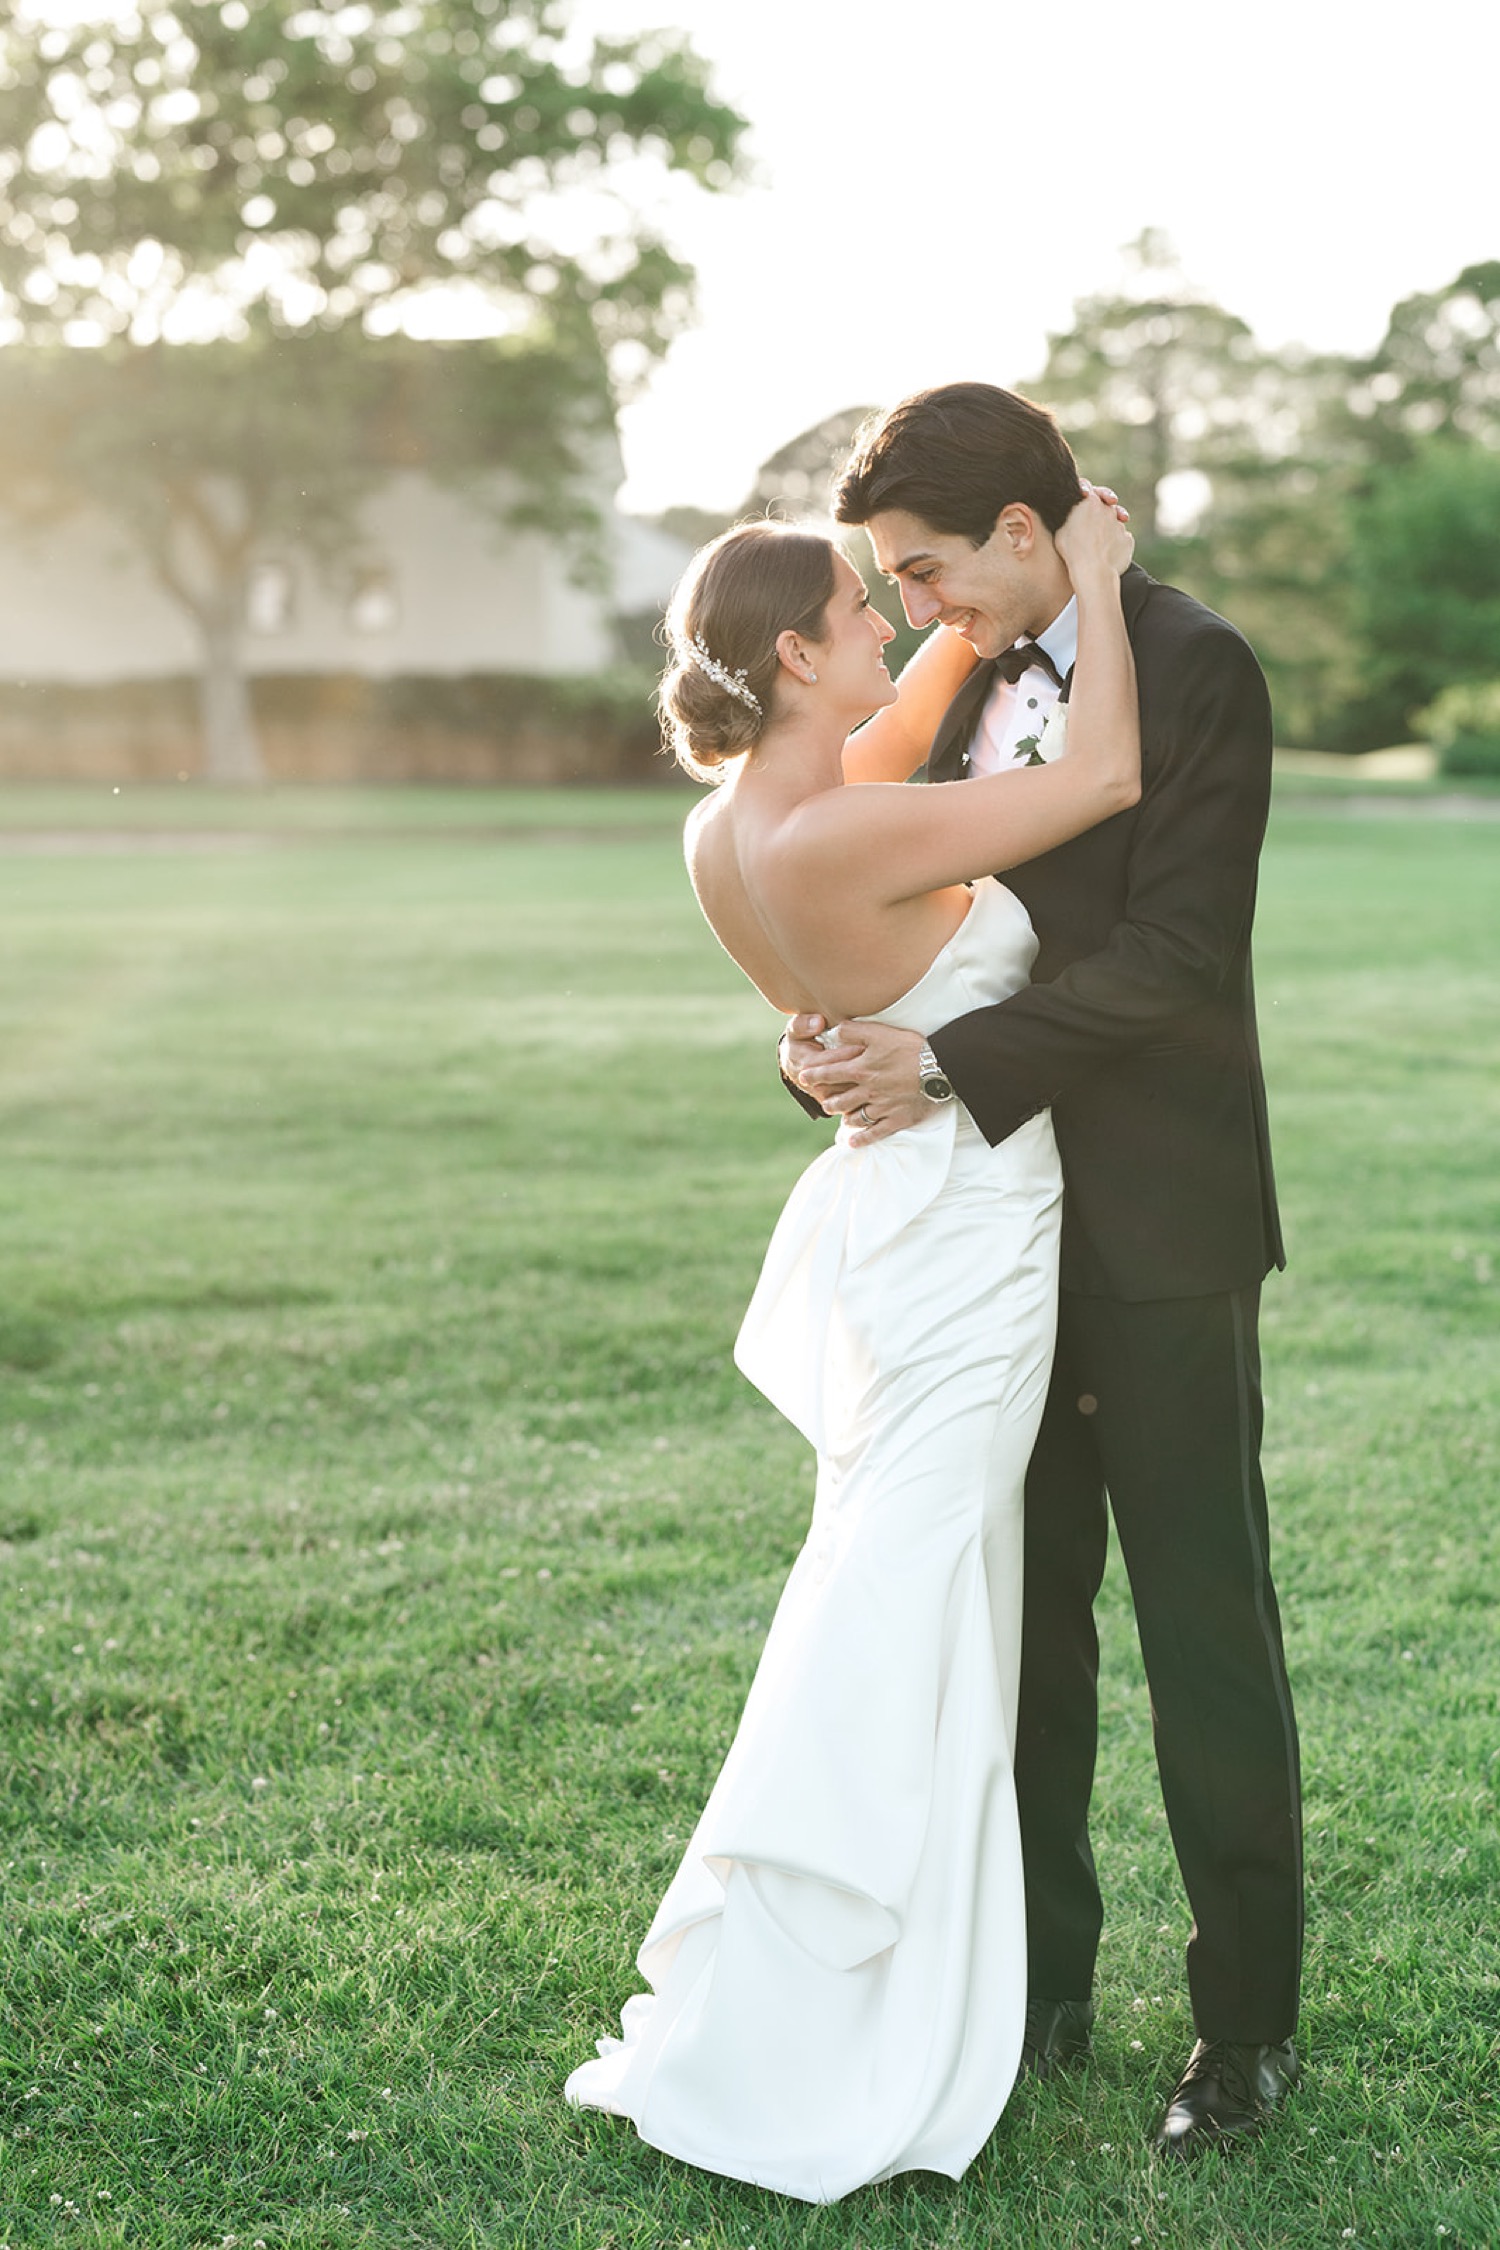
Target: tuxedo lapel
(958, 726)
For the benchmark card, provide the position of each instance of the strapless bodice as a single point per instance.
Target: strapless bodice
(853, 1202)
(988, 957)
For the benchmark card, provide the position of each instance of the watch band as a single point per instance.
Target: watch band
(935, 1082)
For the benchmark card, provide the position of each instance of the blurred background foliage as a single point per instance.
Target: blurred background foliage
(223, 229)
(1341, 511)
(244, 212)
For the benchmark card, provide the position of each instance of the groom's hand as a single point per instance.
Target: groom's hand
(870, 1077)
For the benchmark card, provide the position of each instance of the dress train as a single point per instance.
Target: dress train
(837, 1970)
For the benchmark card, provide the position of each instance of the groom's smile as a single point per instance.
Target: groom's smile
(990, 595)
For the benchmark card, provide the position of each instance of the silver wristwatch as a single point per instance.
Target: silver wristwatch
(935, 1082)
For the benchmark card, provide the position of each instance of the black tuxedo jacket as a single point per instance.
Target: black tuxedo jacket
(1139, 1025)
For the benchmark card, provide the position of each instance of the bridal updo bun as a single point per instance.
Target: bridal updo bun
(737, 595)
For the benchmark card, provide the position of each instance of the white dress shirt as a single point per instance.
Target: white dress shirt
(1013, 714)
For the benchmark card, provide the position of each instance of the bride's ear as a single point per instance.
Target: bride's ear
(794, 656)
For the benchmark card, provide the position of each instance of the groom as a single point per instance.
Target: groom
(1139, 1032)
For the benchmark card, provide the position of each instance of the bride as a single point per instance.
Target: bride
(837, 1970)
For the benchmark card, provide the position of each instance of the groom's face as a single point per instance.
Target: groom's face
(990, 595)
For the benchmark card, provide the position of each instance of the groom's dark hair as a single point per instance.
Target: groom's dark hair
(955, 456)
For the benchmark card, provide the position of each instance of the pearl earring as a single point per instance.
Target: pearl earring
(812, 679)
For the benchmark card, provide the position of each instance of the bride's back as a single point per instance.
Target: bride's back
(777, 656)
(793, 911)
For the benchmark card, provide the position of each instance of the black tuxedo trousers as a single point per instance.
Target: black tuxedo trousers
(1159, 1404)
(1138, 1030)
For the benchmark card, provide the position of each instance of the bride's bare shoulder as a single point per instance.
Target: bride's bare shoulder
(702, 816)
(705, 833)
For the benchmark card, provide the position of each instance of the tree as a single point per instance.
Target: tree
(1156, 383)
(218, 456)
(1413, 432)
(798, 478)
(1425, 574)
(1227, 458)
(242, 208)
(1436, 371)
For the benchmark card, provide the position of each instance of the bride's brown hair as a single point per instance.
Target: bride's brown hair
(737, 595)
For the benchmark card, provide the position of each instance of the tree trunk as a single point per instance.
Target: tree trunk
(231, 746)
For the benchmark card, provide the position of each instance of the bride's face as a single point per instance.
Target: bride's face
(850, 659)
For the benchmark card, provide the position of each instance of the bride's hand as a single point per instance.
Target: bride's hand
(1095, 537)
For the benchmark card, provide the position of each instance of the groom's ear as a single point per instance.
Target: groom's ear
(1019, 530)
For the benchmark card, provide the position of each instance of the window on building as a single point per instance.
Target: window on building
(373, 606)
(269, 598)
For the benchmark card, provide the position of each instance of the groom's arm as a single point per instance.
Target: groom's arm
(1189, 901)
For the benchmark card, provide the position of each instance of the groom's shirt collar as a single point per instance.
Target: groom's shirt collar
(1060, 639)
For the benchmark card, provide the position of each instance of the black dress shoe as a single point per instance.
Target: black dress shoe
(1225, 2095)
(1057, 2035)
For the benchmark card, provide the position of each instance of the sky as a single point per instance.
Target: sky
(935, 185)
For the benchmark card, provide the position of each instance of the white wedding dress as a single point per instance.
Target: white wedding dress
(838, 1969)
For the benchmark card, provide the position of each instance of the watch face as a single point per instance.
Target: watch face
(936, 1087)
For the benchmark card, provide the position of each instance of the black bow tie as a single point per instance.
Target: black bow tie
(1012, 662)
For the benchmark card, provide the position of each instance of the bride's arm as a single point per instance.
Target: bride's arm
(902, 842)
(896, 741)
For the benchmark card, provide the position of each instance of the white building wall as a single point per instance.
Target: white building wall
(457, 592)
(76, 604)
(648, 564)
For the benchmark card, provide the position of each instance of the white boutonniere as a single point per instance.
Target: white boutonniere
(1042, 748)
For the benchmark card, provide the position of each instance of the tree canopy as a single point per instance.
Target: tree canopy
(1437, 368)
(1425, 577)
(199, 168)
(1160, 387)
(247, 211)
(1301, 492)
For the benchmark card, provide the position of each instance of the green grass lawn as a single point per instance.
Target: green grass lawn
(388, 1541)
(310, 810)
